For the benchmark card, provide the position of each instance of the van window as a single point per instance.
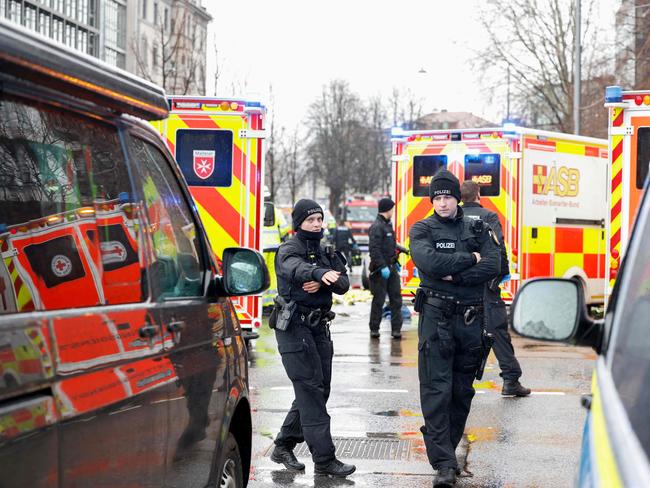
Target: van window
(424, 167)
(68, 228)
(205, 156)
(176, 270)
(642, 155)
(484, 169)
(631, 355)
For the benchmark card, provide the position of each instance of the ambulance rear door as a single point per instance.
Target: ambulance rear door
(218, 146)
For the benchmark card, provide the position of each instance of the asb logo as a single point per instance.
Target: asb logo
(562, 181)
(203, 163)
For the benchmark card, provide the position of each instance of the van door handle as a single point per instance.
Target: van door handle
(175, 328)
(586, 400)
(148, 332)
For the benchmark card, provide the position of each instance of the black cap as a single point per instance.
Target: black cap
(385, 204)
(444, 183)
(303, 209)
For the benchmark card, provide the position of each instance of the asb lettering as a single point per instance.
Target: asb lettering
(562, 181)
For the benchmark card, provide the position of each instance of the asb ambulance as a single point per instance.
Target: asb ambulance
(218, 145)
(547, 188)
(629, 144)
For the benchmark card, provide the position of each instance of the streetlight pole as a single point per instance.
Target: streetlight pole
(576, 71)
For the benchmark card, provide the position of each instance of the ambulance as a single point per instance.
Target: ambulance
(629, 144)
(546, 187)
(218, 145)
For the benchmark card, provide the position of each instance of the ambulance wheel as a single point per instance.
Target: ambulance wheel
(230, 468)
(365, 280)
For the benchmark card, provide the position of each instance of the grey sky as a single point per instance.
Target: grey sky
(298, 46)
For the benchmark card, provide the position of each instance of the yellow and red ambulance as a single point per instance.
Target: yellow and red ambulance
(218, 145)
(629, 145)
(546, 187)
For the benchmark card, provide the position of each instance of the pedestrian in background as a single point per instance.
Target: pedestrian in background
(455, 257)
(384, 271)
(495, 308)
(307, 276)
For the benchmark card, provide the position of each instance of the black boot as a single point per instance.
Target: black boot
(374, 334)
(514, 388)
(335, 468)
(446, 478)
(396, 335)
(283, 455)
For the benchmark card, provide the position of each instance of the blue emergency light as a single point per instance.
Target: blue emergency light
(123, 197)
(613, 94)
(3, 228)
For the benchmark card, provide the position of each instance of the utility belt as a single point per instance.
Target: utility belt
(448, 304)
(285, 312)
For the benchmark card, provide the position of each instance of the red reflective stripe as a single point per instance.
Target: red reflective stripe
(217, 206)
(616, 239)
(616, 152)
(616, 209)
(592, 151)
(618, 121)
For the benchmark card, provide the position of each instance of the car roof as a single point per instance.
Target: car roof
(32, 58)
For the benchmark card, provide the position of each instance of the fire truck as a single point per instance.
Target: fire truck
(218, 145)
(358, 214)
(629, 148)
(547, 189)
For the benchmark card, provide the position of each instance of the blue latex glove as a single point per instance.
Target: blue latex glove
(398, 267)
(385, 272)
(505, 278)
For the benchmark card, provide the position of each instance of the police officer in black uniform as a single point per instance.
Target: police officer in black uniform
(455, 258)
(384, 270)
(307, 276)
(497, 316)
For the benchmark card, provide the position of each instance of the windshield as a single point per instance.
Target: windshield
(361, 214)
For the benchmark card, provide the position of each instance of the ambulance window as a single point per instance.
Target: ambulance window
(630, 359)
(424, 167)
(65, 192)
(484, 169)
(205, 156)
(176, 270)
(642, 156)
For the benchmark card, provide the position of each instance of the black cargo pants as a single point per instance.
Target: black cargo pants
(449, 354)
(379, 287)
(307, 358)
(497, 325)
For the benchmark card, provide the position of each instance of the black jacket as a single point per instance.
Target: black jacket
(381, 243)
(443, 247)
(476, 211)
(299, 261)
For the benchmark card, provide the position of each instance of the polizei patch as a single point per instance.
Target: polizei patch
(445, 245)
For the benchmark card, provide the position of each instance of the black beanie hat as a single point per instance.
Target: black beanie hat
(444, 183)
(303, 209)
(385, 204)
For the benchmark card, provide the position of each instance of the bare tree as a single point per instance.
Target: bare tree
(372, 161)
(334, 120)
(176, 54)
(274, 169)
(405, 108)
(533, 40)
(293, 166)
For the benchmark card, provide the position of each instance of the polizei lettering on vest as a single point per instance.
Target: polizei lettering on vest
(445, 245)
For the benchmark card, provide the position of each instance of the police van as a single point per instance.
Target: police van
(616, 440)
(121, 356)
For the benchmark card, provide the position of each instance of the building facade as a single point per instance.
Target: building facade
(164, 41)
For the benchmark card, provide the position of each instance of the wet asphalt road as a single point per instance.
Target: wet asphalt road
(509, 442)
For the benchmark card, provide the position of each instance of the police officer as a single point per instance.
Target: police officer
(344, 242)
(307, 274)
(384, 271)
(455, 258)
(497, 317)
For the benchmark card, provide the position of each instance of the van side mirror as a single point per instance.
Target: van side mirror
(553, 309)
(269, 214)
(244, 272)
